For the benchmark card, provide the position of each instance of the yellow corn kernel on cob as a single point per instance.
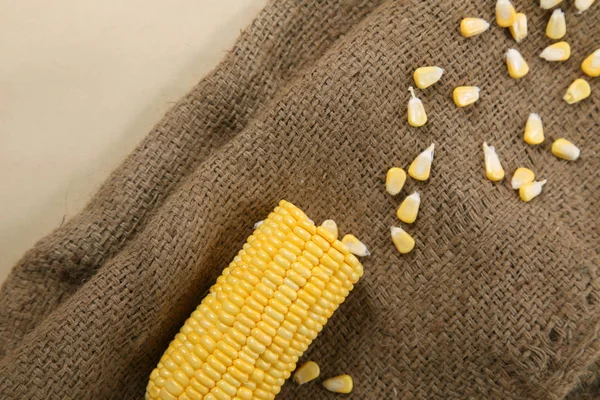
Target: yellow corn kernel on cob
(578, 91)
(493, 168)
(530, 190)
(473, 26)
(516, 64)
(562, 148)
(534, 130)
(416, 112)
(247, 334)
(420, 168)
(583, 5)
(409, 208)
(394, 180)
(402, 240)
(505, 13)
(307, 372)
(548, 4)
(560, 51)
(591, 65)
(427, 76)
(518, 29)
(557, 25)
(355, 246)
(521, 177)
(339, 384)
(465, 95)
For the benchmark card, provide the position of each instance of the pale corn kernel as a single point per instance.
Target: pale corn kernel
(356, 247)
(534, 130)
(493, 168)
(530, 190)
(473, 26)
(307, 372)
(416, 112)
(517, 66)
(560, 51)
(591, 65)
(427, 76)
(505, 13)
(521, 177)
(420, 168)
(258, 224)
(465, 95)
(578, 91)
(562, 148)
(557, 26)
(583, 5)
(518, 29)
(394, 180)
(409, 208)
(331, 227)
(402, 240)
(339, 384)
(548, 4)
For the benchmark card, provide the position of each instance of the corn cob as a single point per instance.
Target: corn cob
(269, 304)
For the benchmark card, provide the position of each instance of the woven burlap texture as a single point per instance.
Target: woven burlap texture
(499, 300)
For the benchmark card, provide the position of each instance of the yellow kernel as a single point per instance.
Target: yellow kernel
(591, 65)
(505, 13)
(416, 112)
(557, 26)
(427, 76)
(518, 29)
(356, 246)
(578, 91)
(394, 180)
(339, 384)
(548, 4)
(402, 240)
(307, 372)
(522, 176)
(420, 168)
(166, 395)
(583, 5)
(493, 168)
(473, 26)
(560, 51)
(409, 208)
(562, 148)
(331, 227)
(465, 95)
(534, 129)
(530, 190)
(516, 64)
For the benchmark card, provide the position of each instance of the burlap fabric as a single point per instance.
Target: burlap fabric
(499, 300)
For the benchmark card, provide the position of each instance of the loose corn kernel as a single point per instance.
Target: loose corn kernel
(548, 4)
(493, 168)
(402, 240)
(420, 168)
(409, 209)
(473, 26)
(530, 190)
(427, 76)
(518, 29)
(591, 65)
(560, 51)
(307, 372)
(578, 91)
(331, 226)
(339, 384)
(557, 26)
(521, 177)
(356, 247)
(465, 95)
(517, 66)
(564, 149)
(394, 180)
(416, 111)
(534, 130)
(505, 13)
(583, 5)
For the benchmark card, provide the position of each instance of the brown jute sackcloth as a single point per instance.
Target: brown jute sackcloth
(499, 300)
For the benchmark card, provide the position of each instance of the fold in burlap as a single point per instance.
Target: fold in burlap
(499, 300)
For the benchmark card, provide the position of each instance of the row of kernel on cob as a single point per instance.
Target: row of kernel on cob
(244, 339)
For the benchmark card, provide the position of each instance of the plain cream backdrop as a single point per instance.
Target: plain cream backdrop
(80, 84)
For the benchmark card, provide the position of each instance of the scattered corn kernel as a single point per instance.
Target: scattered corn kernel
(521, 177)
(578, 91)
(557, 26)
(493, 168)
(394, 180)
(355, 246)
(548, 4)
(560, 51)
(339, 384)
(416, 111)
(564, 149)
(591, 65)
(518, 29)
(409, 209)
(473, 26)
(505, 13)
(517, 66)
(530, 190)
(402, 240)
(427, 76)
(331, 226)
(583, 5)
(534, 129)
(307, 372)
(465, 95)
(420, 168)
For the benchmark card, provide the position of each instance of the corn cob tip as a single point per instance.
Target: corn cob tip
(355, 246)
(339, 384)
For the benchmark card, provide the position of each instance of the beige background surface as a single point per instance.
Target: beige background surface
(80, 84)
